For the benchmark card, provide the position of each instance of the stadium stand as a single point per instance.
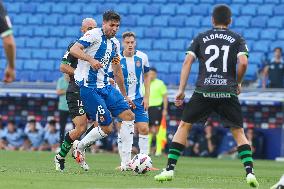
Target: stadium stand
(164, 28)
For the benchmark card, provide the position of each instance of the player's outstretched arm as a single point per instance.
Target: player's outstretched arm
(242, 67)
(10, 50)
(77, 51)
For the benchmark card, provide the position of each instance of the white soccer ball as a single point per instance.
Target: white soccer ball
(141, 163)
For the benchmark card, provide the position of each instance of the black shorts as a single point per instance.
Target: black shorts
(200, 107)
(75, 104)
(155, 115)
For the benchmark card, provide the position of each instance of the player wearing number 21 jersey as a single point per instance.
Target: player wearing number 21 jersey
(218, 51)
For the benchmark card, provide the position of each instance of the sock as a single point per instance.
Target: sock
(94, 135)
(245, 154)
(143, 144)
(65, 146)
(150, 138)
(126, 134)
(174, 153)
(119, 145)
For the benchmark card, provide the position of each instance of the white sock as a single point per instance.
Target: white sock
(119, 146)
(94, 135)
(143, 144)
(126, 134)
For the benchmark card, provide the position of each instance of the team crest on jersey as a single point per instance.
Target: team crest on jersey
(81, 111)
(102, 119)
(138, 63)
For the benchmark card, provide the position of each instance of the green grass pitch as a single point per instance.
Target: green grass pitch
(35, 170)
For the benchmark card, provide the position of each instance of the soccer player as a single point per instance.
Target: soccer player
(9, 45)
(218, 85)
(75, 105)
(135, 68)
(96, 51)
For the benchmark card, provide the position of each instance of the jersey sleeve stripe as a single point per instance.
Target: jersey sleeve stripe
(242, 53)
(84, 43)
(191, 53)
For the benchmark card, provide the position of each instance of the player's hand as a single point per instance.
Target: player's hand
(95, 64)
(9, 75)
(116, 60)
(145, 103)
(112, 82)
(179, 98)
(239, 88)
(130, 102)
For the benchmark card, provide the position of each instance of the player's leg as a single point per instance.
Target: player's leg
(230, 111)
(155, 116)
(119, 108)
(142, 125)
(63, 116)
(79, 119)
(197, 108)
(96, 108)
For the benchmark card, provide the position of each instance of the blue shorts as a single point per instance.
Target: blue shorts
(101, 104)
(140, 114)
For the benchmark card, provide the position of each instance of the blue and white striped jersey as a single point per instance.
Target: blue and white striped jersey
(102, 49)
(133, 69)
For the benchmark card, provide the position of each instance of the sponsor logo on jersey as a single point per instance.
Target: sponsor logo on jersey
(215, 79)
(131, 79)
(105, 60)
(216, 95)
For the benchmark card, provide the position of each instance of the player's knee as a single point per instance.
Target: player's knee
(106, 129)
(144, 130)
(129, 116)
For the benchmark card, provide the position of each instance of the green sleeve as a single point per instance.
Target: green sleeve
(163, 88)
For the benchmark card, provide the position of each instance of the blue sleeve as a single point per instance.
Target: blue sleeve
(146, 69)
(84, 43)
(110, 74)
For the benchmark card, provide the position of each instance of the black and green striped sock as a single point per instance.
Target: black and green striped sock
(65, 146)
(245, 154)
(174, 153)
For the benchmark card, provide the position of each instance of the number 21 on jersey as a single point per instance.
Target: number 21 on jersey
(215, 55)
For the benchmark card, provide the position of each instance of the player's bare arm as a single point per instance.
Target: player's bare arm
(147, 81)
(189, 59)
(65, 68)
(77, 51)
(242, 67)
(119, 78)
(264, 76)
(10, 50)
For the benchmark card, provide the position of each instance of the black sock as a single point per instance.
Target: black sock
(174, 153)
(66, 146)
(245, 154)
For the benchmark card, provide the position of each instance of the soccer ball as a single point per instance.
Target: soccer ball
(141, 163)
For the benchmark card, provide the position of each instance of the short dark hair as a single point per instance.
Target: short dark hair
(153, 69)
(222, 14)
(279, 48)
(128, 34)
(111, 15)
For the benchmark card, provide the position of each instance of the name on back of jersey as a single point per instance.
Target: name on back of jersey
(218, 36)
